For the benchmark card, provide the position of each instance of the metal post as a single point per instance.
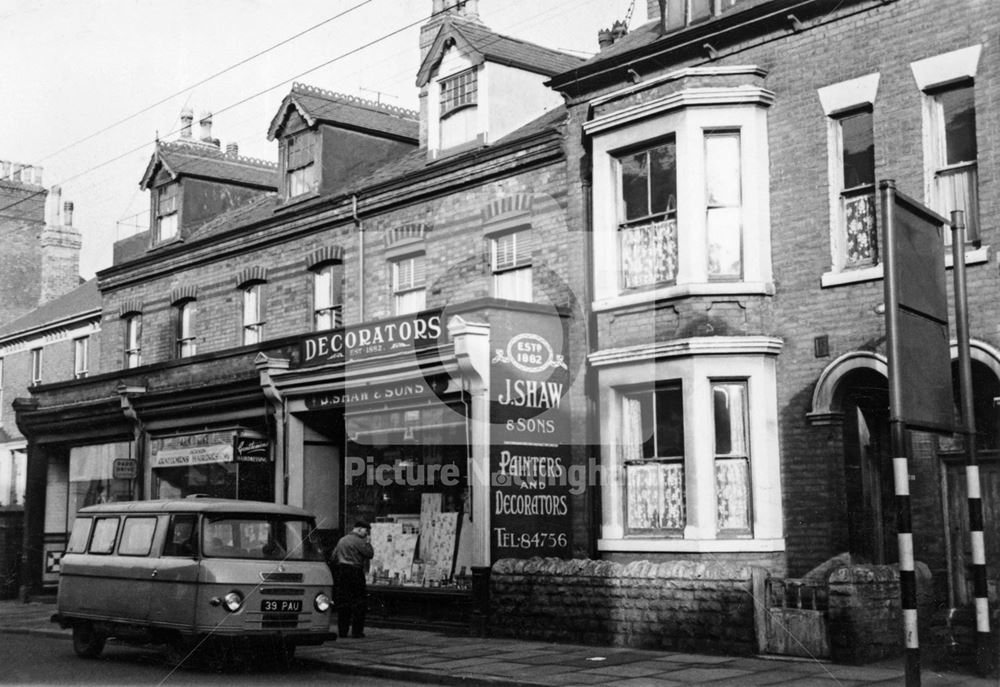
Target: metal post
(980, 590)
(900, 466)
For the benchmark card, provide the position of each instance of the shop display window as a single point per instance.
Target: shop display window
(407, 474)
(250, 481)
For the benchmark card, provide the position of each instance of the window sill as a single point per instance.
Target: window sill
(690, 545)
(728, 288)
(976, 256)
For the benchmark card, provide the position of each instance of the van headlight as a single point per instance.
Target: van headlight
(233, 601)
(322, 602)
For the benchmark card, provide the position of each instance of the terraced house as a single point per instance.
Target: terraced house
(608, 366)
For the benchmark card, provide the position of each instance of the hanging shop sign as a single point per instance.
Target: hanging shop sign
(252, 450)
(529, 455)
(385, 337)
(191, 449)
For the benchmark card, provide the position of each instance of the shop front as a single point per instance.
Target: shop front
(446, 431)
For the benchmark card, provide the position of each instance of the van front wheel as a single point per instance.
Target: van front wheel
(87, 643)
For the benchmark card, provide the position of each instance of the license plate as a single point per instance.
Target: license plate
(281, 605)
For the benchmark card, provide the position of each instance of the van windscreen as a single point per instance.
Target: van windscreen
(271, 537)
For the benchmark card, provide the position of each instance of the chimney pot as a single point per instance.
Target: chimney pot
(4, 169)
(68, 213)
(605, 38)
(233, 149)
(37, 175)
(618, 29)
(206, 127)
(187, 116)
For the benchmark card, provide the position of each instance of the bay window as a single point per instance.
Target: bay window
(680, 197)
(690, 446)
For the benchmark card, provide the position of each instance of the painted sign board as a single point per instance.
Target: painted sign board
(124, 468)
(916, 311)
(384, 337)
(529, 452)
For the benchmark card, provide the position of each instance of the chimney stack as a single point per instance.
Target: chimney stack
(187, 116)
(232, 150)
(68, 213)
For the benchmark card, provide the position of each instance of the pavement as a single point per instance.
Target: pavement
(440, 658)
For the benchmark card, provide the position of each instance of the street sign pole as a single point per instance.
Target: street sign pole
(979, 585)
(900, 464)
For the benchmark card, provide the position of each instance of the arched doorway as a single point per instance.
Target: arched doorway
(853, 392)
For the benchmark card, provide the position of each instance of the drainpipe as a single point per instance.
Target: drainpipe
(361, 257)
(591, 386)
(276, 402)
(125, 393)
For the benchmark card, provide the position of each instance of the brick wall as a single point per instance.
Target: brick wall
(675, 606)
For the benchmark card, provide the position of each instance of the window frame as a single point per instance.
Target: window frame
(186, 338)
(93, 534)
(402, 294)
(464, 99)
(331, 307)
(512, 281)
(170, 193)
(252, 314)
(938, 168)
(301, 171)
(745, 455)
(847, 194)
(36, 366)
(81, 360)
(688, 114)
(132, 340)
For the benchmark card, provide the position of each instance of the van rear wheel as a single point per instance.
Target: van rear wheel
(87, 643)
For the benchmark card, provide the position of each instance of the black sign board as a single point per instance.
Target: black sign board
(251, 450)
(385, 337)
(916, 312)
(529, 455)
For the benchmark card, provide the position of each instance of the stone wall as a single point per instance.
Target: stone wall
(672, 606)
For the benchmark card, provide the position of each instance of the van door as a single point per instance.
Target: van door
(133, 568)
(175, 585)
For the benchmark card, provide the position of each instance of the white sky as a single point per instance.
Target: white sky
(74, 67)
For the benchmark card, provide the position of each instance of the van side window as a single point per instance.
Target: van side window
(79, 536)
(181, 539)
(105, 533)
(137, 536)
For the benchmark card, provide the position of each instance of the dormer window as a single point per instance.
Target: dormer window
(300, 165)
(459, 115)
(166, 213)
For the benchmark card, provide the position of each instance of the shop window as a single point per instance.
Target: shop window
(253, 313)
(133, 340)
(409, 290)
(187, 342)
(137, 536)
(328, 300)
(166, 213)
(105, 534)
(13, 477)
(300, 165)
(510, 257)
(653, 457)
(207, 464)
(81, 354)
(91, 475)
(182, 537)
(954, 155)
(36, 366)
(732, 457)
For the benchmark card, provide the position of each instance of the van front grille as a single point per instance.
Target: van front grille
(277, 621)
(280, 577)
(282, 591)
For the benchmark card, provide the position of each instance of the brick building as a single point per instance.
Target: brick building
(39, 263)
(658, 282)
(399, 295)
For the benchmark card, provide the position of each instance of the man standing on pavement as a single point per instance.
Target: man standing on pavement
(350, 558)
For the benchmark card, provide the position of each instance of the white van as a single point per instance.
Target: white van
(180, 572)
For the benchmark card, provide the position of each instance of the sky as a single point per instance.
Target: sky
(88, 85)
